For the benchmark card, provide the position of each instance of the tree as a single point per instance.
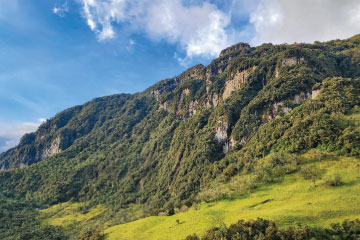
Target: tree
(312, 173)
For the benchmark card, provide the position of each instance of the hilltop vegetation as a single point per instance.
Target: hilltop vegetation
(242, 121)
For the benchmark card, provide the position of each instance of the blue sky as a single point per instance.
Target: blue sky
(58, 53)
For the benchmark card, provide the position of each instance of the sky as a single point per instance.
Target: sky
(55, 54)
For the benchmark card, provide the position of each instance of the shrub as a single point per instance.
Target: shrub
(184, 208)
(265, 229)
(91, 235)
(196, 206)
(192, 237)
(229, 172)
(334, 181)
(312, 173)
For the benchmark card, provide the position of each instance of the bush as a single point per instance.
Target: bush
(312, 173)
(91, 235)
(192, 237)
(229, 172)
(276, 164)
(265, 229)
(334, 181)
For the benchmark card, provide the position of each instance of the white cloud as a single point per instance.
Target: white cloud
(280, 21)
(201, 30)
(182, 61)
(10, 134)
(61, 10)
(101, 14)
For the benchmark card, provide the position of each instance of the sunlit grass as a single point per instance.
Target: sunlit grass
(291, 201)
(64, 214)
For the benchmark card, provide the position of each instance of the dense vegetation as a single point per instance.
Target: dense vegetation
(264, 229)
(166, 147)
(20, 220)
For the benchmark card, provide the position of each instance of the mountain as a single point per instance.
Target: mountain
(161, 148)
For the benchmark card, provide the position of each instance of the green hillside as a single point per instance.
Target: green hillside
(232, 137)
(289, 201)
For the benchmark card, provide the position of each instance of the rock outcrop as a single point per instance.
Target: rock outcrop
(291, 61)
(288, 62)
(222, 135)
(235, 81)
(284, 107)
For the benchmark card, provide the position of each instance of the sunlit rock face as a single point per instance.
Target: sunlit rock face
(235, 81)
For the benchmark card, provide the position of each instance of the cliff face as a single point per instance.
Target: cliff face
(60, 132)
(163, 144)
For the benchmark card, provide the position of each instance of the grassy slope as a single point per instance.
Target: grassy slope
(293, 200)
(68, 213)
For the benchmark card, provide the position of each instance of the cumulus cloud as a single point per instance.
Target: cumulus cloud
(200, 29)
(101, 14)
(61, 10)
(284, 21)
(10, 134)
(205, 27)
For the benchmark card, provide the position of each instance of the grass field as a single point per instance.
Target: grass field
(290, 201)
(69, 213)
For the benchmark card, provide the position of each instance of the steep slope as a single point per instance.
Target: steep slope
(161, 147)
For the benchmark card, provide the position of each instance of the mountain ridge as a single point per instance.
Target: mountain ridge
(161, 147)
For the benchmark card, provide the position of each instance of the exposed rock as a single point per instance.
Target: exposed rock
(163, 106)
(193, 107)
(221, 135)
(53, 149)
(228, 145)
(155, 94)
(278, 107)
(213, 100)
(291, 61)
(301, 97)
(22, 165)
(315, 93)
(235, 82)
(186, 91)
